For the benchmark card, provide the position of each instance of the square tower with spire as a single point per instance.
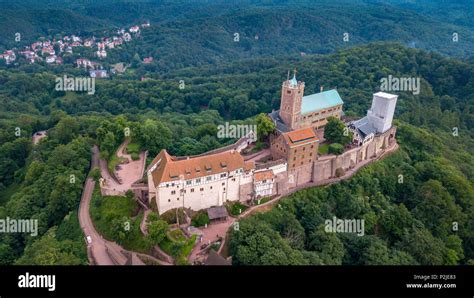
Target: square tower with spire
(291, 99)
(298, 111)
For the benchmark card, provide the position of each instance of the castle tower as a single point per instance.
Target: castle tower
(291, 97)
(381, 113)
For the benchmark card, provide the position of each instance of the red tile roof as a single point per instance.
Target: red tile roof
(300, 136)
(264, 175)
(170, 169)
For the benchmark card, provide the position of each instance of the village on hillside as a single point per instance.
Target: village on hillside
(52, 51)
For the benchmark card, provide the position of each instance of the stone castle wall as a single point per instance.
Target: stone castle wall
(326, 166)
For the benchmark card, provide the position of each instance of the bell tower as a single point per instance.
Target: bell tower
(291, 97)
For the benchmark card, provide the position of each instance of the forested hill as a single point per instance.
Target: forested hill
(459, 12)
(202, 33)
(438, 167)
(34, 19)
(242, 89)
(290, 31)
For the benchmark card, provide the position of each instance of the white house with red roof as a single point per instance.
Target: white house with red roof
(134, 29)
(148, 60)
(9, 56)
(82, 62)
(263, 182)
(101, 53)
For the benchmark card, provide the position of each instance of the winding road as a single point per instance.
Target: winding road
(97, 250)
(101, 251)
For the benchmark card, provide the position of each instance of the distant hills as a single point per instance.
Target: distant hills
(190, 33)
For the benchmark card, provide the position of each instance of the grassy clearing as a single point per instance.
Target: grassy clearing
(112, 216)
(178, 246)
(113, 161)
(236, 208)
(176, 235)
(323, 149)
(182, 259)
(263, 200)
(134, 150)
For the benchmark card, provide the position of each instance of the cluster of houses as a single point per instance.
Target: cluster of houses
(52, 51)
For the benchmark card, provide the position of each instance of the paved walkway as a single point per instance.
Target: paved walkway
(259, 155)
(131, 170)
(143, 223)
(211, 234)
(128, 172)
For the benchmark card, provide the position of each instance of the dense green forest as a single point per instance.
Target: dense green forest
(459, 12)
(203, 34)
(239, 90)
(438, 167)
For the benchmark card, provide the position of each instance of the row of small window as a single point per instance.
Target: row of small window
(309, 160)
(289, 91)
(278, 146)
(173, 192)
(304, 148)
(302, 156)
(284, 150)
(198, 180)
(208, 178)
(323, 112)
(192, 190)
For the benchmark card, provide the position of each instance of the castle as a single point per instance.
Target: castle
(223, 175)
